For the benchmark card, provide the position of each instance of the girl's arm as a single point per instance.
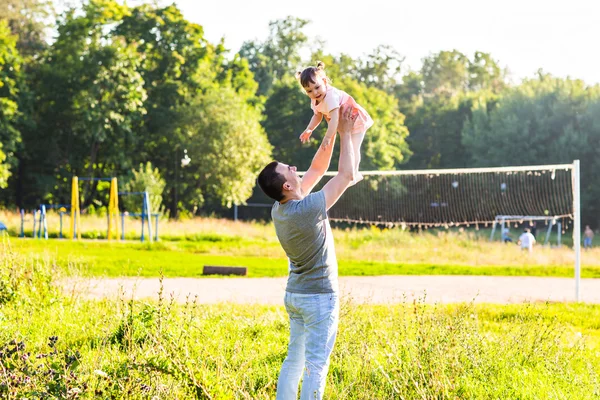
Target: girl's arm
(331, 127)
(312, 125)
(314, 122)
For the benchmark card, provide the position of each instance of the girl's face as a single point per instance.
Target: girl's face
(316, 91)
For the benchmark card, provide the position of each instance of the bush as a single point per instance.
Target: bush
(145, 179)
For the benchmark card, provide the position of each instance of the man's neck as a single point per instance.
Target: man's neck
(292, 196)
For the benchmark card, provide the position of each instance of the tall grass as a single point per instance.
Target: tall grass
(54, 345)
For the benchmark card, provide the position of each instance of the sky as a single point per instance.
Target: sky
(558, 36)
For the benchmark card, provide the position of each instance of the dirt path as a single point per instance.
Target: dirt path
(371, 289)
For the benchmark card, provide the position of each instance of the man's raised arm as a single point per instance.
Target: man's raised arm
(318, 167)
(339, 183)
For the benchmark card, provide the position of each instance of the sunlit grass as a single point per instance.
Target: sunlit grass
(56, 346)
(186, 246)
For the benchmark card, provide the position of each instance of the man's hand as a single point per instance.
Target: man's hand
(347, 118)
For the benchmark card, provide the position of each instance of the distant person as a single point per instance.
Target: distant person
(506, 235)
(526, 240)
(588, 236)
(534, 229)
(325, 101)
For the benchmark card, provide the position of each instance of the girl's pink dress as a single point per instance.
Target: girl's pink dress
(334, 98)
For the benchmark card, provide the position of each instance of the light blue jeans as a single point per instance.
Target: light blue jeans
(313, 327)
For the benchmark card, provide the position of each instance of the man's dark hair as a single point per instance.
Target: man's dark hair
(271, 182)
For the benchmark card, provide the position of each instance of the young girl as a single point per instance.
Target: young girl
(325, 100)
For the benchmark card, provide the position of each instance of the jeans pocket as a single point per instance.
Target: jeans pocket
(327, 303)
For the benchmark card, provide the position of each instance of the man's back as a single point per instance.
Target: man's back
(304, 232)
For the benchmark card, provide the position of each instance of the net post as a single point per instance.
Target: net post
(549, 232)
(493, 230)
(22, 234)
(149, 215)
(577, 227)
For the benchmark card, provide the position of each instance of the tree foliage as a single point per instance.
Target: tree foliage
(279, 55)
(145, 179)
(10, 70)
(111, 92)
(438, 99)
(29, 21)
(228, 148)
(546, 120)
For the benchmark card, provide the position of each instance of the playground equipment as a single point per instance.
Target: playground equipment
(40, 216)
(146, 215)
(113, 207)
(40, 225)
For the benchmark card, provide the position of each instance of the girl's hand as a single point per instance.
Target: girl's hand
(305, 136)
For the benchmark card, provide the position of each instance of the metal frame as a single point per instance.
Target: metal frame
(146, 215)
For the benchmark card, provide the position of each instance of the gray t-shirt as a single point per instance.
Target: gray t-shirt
(304, 232)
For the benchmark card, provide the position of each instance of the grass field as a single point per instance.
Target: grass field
(53, 346)
(188, 245)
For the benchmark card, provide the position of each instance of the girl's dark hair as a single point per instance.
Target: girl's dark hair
(309, 75)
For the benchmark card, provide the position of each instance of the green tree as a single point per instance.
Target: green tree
(279, 55)
(10, 70)
(29, 21)
(287, 112)
(437, 101)
(380, 69)
(542, 121)
(435, 127)
(92, 100)
(486, 74)
(446, 72)
(179, 65)
(4, 171)
(227, 147)
(145, 179)
(536, 122)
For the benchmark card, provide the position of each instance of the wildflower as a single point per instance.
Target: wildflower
(101, 373)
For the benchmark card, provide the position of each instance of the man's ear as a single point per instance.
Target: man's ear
(287, 186)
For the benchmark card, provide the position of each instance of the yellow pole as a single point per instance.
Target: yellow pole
(75, 216)
(113, 209)
(110, 211)
(116, 209)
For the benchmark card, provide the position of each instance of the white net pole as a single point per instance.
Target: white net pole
(577, 227)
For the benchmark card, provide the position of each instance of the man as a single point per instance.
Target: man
(526, 240)
(311, 297)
